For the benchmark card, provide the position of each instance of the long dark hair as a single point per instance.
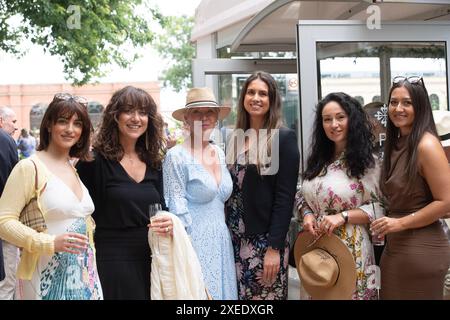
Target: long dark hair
(150, 146)
(423, 122)
(60, 108)
(273, 118)
(359, 149)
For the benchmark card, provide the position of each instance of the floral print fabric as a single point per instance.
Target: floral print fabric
(249, 251)
(333, 192)
(192, 193)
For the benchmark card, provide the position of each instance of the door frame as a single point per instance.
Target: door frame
(310, 32)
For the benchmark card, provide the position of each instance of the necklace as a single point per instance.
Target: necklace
(129, 158)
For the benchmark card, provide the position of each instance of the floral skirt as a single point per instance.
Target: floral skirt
(249, 252)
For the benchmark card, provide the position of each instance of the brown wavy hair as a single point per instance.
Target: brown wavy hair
(150, 146)
(60, 108)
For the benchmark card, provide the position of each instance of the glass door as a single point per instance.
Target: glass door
(347, 56)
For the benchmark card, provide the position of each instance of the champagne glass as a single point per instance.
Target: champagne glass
(83, 256)
(376, 239)
(153, 209)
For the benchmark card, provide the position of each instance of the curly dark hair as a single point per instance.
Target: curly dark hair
(359, 150)
(150, 146)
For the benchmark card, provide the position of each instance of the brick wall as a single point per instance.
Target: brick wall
(22, 97)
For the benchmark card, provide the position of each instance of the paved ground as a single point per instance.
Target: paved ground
(293, 284)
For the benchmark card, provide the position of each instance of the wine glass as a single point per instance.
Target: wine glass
(153, 209)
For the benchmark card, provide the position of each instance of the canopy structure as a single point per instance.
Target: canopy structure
(269, 25)
(238, 37)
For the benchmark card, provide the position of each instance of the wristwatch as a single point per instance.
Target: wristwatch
(344, 215)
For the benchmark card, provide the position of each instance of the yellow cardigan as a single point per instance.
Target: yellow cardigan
(19, 190)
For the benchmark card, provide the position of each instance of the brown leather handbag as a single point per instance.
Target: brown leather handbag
(31, 215)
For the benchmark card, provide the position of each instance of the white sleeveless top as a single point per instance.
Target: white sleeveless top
(64, 276)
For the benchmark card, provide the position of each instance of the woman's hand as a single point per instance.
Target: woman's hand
(162, 226)
(310, 224)
(385, 225)
(271, 266)
(71, 242)
(331, 222)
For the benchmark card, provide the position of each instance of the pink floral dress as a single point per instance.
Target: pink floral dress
(333, 191)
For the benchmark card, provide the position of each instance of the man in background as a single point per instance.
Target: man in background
(8, 159)
(8, 120)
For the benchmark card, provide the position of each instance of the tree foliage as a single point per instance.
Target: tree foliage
(175, 45)
(104, 27)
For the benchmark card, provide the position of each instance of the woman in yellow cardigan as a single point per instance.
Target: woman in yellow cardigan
(59, 263)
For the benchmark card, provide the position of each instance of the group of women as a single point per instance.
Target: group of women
(344, 190)
(124, 170)
(237, 207)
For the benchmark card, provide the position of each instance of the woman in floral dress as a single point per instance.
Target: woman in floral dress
(260, 207)
(340, 188)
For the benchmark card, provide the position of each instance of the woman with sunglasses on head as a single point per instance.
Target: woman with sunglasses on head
(124, 179)
(415, 181)
(58, 263)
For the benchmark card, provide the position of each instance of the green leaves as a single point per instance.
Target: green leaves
(87, 36)
(174, 44)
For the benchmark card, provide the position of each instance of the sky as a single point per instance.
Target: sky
(40, 68)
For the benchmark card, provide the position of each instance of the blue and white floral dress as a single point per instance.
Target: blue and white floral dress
(64, 276)
(193, 194)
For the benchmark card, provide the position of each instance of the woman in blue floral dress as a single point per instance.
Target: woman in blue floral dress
(260, 208)
(340, 190)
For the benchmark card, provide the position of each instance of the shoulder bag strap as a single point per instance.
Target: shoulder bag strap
(35, 178)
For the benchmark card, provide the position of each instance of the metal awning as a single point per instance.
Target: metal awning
(274, 27)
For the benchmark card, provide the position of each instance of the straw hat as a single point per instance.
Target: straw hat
(326, 267)
(200, 98)
(442, 121)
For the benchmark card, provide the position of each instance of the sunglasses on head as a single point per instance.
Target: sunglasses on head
(67, 97)
(411, 80)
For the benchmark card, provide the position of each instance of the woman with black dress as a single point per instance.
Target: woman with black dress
(123, 180)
